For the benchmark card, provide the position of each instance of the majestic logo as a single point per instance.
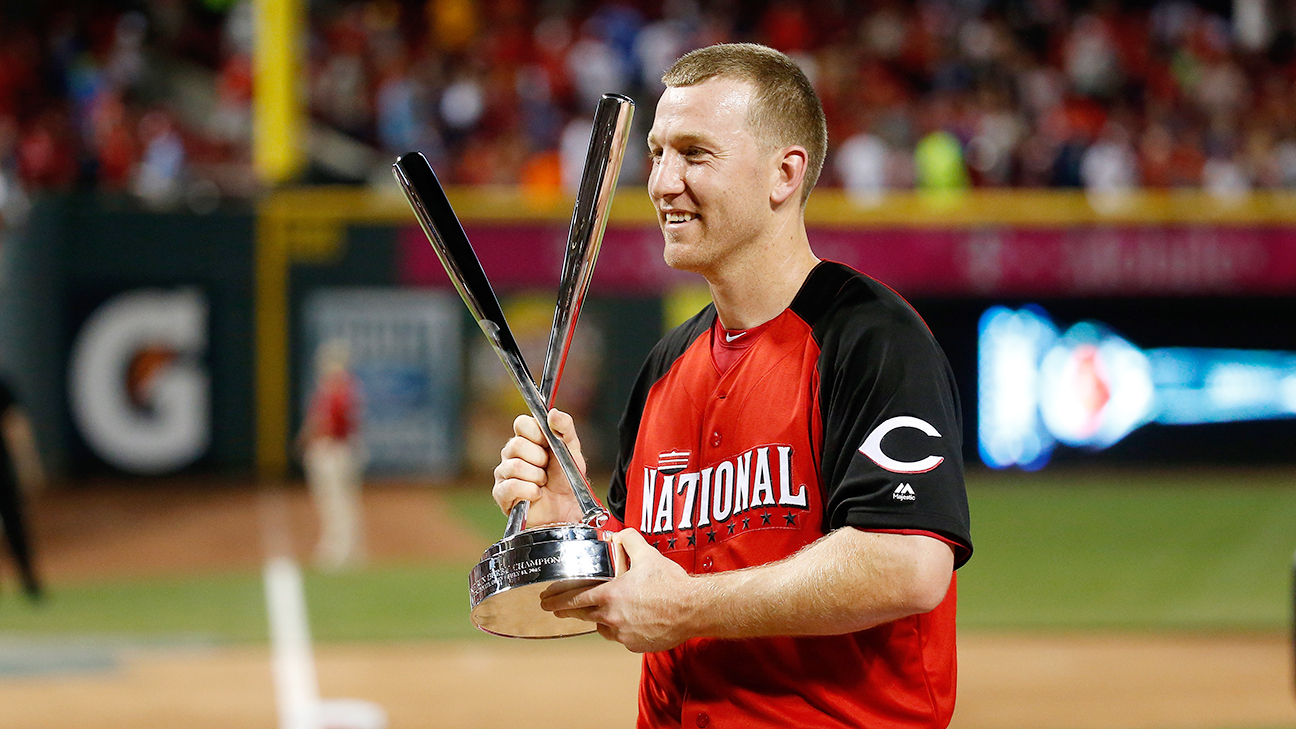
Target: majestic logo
(674, 499)
(671, 462)
(872, 446)
(904, 492)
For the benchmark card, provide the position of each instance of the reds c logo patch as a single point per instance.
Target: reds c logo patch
(872, 446)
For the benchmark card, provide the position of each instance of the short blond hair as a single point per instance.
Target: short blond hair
(786, 109)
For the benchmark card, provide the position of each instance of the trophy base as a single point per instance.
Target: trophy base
(506, 585)
(516, 613)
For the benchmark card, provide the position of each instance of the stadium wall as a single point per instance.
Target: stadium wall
(1148, 262)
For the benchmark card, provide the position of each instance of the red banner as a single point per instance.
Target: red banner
(992, 261)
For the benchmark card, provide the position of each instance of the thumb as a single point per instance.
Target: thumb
(634, 544)
(564, 427)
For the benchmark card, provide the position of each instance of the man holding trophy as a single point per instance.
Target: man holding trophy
(789, 486)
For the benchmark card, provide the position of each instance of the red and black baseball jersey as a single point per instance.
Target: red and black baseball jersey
(842, 412)
(335, 407)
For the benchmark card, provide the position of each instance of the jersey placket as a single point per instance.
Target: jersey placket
(715, 415)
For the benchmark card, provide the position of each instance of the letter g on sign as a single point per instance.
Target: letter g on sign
(170, 425)
(873, 445)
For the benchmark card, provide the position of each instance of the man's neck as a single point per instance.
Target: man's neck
(760, 287)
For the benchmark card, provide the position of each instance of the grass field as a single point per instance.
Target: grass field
(1071, 551)
(1157, 551)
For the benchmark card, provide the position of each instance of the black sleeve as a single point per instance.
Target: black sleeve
(7, 475)
(7, 398)
(892, 423)
(659, 362)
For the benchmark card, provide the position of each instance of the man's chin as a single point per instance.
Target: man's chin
(683, 260)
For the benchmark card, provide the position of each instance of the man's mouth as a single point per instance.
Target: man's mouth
(675, 218)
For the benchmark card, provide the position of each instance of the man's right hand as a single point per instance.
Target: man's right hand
(529, 472)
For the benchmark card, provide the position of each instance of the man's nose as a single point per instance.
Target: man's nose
(667, 177)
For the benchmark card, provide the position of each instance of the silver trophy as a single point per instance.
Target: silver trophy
(506, 585)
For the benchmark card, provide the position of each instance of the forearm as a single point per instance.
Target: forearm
(848, 581)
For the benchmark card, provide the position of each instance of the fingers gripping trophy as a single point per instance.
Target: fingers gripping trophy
(506, 585)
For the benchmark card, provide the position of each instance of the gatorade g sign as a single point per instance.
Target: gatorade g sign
(139, 393)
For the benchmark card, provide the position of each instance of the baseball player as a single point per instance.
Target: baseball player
(333, 458)
(790, 479)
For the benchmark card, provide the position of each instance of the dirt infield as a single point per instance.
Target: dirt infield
(1007, 681)
(116, 529)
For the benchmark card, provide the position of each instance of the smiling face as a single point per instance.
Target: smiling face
(711, 177)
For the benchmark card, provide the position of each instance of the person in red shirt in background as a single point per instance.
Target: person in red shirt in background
(333, 458)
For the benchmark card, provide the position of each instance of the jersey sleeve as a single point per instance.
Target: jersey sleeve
(892, 423)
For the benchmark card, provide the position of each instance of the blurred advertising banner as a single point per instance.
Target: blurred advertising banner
(1122, 380)
(1088, 387)
(139, 391)
(404, 353)
(1134, 260)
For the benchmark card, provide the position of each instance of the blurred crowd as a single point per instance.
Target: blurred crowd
(153, 97)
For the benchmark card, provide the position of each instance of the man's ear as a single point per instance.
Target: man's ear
(790, 173)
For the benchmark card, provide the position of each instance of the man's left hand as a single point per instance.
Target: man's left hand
(645, 609)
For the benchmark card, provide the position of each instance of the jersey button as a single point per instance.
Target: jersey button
(707, 563)
(715, 439)
(703, 719)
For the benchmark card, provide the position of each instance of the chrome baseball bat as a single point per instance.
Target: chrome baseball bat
(611, 134)
(439, 222)
(593, 200)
